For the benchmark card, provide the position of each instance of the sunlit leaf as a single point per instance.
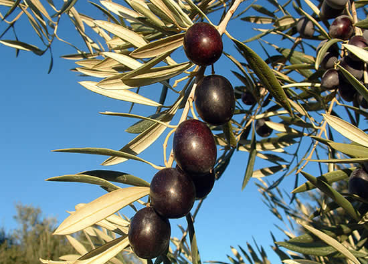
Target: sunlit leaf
(100, 208)
(268, 171)
(124, 95)
(22, 46)
(347, 130)
(105, 252)
(159, 47)
(146, 138)
(122, 32)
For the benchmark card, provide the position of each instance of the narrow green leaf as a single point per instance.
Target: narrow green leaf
(362, 23)
(116, 176)
(332, 242)
(258, 19)
(193, 240)
(157, 74)
(146, 138)
(229, 134)
(105, 252)
(268, 171)
(347, 130)
(22, 46)
(350, 149)
(357, 51)
(124, 95)
(261, 9)
(106, 152)
(147, 13)
(159, 47)
(265, 75)
(84, 179)
(100, 208)
(10, 11)
(352, 160)
(122, 32)
(333, 194)
(329, 177)
(356, 84)
(314, 248)
(251, 160)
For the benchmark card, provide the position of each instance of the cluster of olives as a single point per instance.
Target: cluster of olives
(342, 27)
(174, 190)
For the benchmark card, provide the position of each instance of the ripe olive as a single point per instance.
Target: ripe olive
(262, 129)
(194, 147)
(329, 58)
(172, 193)
(248, 98)
(330, 79)
(215, 100)
(356, 68)
(203, 44)
(305, 27)
(358, 41)
(358, 183)
(342, 27)
(149, 233)
(332, 8)
(346, 89)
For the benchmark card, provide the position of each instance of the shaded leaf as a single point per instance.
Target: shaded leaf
(265, 75)
(332, 242)
(159, 47)
(329, 177)
(84, 179)
(251, 160)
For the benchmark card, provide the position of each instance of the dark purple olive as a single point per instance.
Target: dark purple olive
(358, 41)
(305, 27)
(356, 68)
(194, 147)
(346, 89)
(248, 98)
(332, 8)
(358, 183)
(330, 79)
(149, 233)
(361, 101)
(215, 100)
(330, 57)
(172, 193)
(203, 44)
(342, 28)
(262, 129)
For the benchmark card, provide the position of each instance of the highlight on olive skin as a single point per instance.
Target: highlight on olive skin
(149, 233)
(215, 100)
(194, 147)
(203, 44)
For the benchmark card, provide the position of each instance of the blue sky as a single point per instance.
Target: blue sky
(41, 112)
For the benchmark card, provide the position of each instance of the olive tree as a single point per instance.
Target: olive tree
(301, 104)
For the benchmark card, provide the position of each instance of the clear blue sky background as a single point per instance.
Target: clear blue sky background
(41, 112)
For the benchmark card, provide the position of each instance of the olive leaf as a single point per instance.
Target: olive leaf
(265, 75)
(347, 130)
(124, 95)
(100, 208)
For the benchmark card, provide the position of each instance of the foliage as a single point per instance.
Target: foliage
(137, 44)
(33, 238)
